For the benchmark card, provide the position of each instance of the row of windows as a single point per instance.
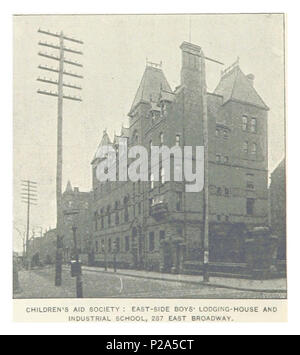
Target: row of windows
(250, 148)
(250, 208)
(128, 245)
(137, 208)
(161, 140)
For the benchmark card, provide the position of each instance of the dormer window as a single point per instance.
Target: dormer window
(161, 138)
(135, 137)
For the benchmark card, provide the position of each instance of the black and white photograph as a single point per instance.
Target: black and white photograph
(149, 157)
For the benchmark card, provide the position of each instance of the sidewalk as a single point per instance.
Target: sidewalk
(269, 286)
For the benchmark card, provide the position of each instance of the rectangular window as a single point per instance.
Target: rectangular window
(117, 220)
(151, 241)
(250, 181)
(97, 246)
(253, 125)
(177, 140)
(250, 206)
(245, 123)
(161, 138)
(217, 133)
(245, 147)
(218, 158)
(140, 208)
(127, 246)
(254, 149)
(109, 245)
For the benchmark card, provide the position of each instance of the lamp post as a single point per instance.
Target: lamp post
(76, 270)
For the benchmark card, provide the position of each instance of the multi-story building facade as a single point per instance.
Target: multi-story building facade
(158, 224)
(77, 214)
(42, 250)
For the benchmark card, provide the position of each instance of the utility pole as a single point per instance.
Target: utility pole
(60, 84)
(28, 196)
(206, 167)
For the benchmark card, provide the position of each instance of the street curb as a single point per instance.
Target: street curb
(190, 282)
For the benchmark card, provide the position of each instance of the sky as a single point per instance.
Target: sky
(115, 49)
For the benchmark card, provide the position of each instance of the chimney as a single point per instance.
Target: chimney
(191, 68)
(251, 78)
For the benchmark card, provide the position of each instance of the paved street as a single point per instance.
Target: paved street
(39, 283)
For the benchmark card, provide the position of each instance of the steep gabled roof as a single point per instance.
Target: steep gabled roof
(69, 187)
(125, 132)
(151, 84)
(105, 141)
(235, 85)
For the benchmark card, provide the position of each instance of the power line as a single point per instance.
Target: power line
(59, 57)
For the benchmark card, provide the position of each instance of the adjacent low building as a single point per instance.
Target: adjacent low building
(42, 250)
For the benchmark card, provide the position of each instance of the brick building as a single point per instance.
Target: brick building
(43, 249)
(158, 225)
(77, 213)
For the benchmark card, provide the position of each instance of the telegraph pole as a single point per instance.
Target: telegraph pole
(60, 84)
(206, 167)
(28, 196)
